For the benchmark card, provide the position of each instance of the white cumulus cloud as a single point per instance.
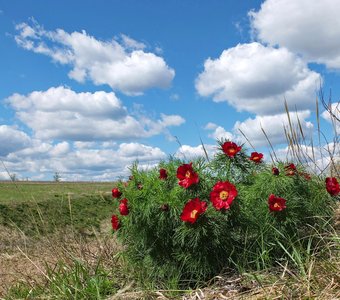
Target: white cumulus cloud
(310, 28)
(95, 163)
(333, 116)
(187, 152)
(123, 66)
(12, 139)
(273, 127)
(255, 78)
(218, 132)
(61, 113)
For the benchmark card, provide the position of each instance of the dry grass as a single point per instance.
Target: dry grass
(25, 259)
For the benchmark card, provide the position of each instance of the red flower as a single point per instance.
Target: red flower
(192, 210)
(223, 194)
(290, 170)
(275, 171)
(256, 157)
(231, 149)
(115, 222)
(123, 207)
(163, 174)
(276, 203)
(186, 175)
(116, 193)
(332, 186)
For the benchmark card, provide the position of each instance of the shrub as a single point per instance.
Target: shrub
(190, 220)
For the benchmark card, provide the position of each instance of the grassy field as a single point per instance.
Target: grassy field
(45, 221)
(56, 243)
(26, 191)
(37, 208)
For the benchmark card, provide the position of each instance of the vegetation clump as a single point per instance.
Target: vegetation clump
(188, 221)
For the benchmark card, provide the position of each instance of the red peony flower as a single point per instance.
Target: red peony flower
(123, 207)
(115, 222)
(332, 186)
(256, 157)
(186, 175)
(276, 203)
(163, 174)
(116, 193)
(192, 210)
(275, 171)
(290, 170)
(231, 149)
(223, 194)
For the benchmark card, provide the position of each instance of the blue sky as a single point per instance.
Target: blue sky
(88, 87)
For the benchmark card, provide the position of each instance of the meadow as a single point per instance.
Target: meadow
(38, 191)
(56, 242)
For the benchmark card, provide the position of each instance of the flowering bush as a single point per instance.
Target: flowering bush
(189, 220)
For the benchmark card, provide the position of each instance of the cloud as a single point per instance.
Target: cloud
(174, 97)
(12, 139)
(60, 113)
(255, 78)
(273, 127)
(130, 43)
(4, 176)
(125, 67)
(92, 163)
(316, 159)
(171, 120)
(187, 152)
(310, 28)
(335, 110)
(219, 132)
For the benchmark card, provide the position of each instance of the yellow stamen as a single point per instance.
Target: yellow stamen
(187, 174)
(276, 205)
(224, 195)
(193, 213)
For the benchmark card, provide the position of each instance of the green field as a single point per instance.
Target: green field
(45, 207)
(25, 191)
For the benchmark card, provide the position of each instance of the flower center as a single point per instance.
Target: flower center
(187, 174)
(224, 195)
(232, 150)
(193, 214)
(276, 205)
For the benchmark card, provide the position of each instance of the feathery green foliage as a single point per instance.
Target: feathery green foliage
(248, 235)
